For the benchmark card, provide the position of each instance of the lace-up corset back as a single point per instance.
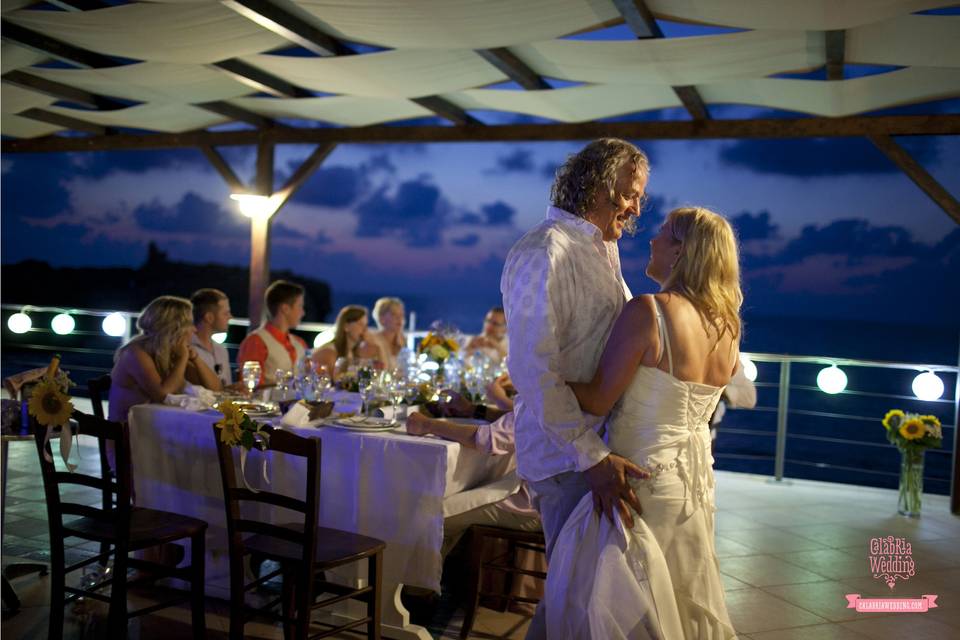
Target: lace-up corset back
(663, 423)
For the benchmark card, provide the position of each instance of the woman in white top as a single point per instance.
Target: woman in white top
(350, 342)
(388, 313)
(662, 372)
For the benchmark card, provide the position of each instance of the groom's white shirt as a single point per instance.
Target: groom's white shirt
(562, 291)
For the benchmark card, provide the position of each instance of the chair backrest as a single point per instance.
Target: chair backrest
(99, 389)
(114, 487)
(234, 495)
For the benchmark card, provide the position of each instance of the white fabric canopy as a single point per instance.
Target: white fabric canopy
(14, 99)
(169, 47)
(815, 15)
(675, 61)
(343, 110)
(394, 74)
(18, 127)
(152, 81)
(169, 118)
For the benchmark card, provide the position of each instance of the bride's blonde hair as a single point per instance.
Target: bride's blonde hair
(707, 271)
(161, 325)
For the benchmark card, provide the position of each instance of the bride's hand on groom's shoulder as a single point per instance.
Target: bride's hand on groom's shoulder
(611, 490)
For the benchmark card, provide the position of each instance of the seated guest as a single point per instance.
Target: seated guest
(497, 438)
(350, 342)
(211, 314)
(159, 360)
(388, 313)
(272, 345)
(493, 340)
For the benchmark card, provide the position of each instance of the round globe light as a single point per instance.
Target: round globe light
(19, 323)
(749, 368)
(62, 324)
(115, 325)
(832, 380)
(219, 337)
(323, 338)
(928, 386)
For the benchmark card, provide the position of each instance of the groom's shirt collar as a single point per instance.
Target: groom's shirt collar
(574, 222)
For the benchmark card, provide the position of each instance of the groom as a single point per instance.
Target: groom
(562, 290)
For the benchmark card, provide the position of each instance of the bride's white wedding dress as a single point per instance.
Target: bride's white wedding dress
(660, 579)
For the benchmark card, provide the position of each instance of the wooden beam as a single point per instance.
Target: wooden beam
(639, 18)
(259, 269)
(54, 48)
(294, 28)
(260, 79)
(61, 91)
(692, 101)
(263, 182)
(514, 68)
(64, 121)
(78, 5)
(835, 41)
(223, 168)
(637, 130)
(304, 171)
(641, 21)
(234, 112)
(446, 109)
(900, 157)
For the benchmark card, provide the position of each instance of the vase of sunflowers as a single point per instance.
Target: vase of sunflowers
(439, 344)
(912, 434)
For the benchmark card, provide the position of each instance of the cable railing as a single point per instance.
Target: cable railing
(796, 429)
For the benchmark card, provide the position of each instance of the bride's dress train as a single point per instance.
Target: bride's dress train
(660, 579)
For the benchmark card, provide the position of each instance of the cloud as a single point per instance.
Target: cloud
(468, 240)
(33, 185)
(193, 214)
(498, 213)
(517, 161)
(853, 238)
(68, 245)
(101, 163)
(416, 212)
(336, 186)
(811, 157)
(752, 226)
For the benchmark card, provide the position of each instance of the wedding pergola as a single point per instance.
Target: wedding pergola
(181, 73)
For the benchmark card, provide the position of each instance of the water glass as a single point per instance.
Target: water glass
(251, 375)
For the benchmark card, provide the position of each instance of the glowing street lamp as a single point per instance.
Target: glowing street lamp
(19, 323)
(749, 368)
(323, 338)
(255, 206)
(928, 386)
(832, 380)
(219, 337)
(63, 324)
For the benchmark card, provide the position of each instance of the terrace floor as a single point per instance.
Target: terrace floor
(789, 552)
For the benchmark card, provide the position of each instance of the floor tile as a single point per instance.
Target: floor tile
(766, 570)
(754, 610)
(815, 632)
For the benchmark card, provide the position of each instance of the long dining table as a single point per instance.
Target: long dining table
(386, 484)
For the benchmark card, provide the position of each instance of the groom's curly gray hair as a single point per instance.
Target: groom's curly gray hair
(592, 174)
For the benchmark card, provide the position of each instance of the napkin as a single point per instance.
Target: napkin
(193, 398)
(299, 416)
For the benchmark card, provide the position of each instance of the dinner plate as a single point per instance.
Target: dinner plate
(257, 410)
(361, 423)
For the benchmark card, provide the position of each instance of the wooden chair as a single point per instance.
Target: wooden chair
(303, 549)
(99, 389)
(115, 524)
(504, 563)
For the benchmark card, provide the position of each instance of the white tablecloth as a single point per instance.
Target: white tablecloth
(387, 485)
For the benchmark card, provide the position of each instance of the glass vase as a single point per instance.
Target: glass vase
(911, 482)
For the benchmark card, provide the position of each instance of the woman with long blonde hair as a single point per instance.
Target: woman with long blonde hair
(159, 360)
(660, 377)
(389, 313)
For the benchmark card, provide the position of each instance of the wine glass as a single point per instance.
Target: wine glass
(251, 375)
(366, 388)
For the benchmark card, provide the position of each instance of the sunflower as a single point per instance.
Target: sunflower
(893, 419)
(932, 423)
(913, 429)
(49, 405)
(231, 426)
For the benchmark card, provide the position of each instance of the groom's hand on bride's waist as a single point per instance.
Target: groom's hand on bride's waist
(611, 490)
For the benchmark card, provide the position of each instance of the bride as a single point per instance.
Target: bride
(667, 361)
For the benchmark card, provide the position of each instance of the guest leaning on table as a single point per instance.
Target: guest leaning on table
(211, 314)
(350, 342)
(159, 360)
(272, 345)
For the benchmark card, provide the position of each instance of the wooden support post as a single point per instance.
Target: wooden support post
(900, 157)
(259, 268)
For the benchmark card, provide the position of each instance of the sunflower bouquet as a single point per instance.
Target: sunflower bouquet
(439, 342)
(237, 429)
(50, 402)
(913, 434)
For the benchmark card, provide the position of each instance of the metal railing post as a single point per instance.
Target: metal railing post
(782, 406)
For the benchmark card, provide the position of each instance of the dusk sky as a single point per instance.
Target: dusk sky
(829, 228)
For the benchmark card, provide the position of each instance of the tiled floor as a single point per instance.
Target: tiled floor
(789, 553)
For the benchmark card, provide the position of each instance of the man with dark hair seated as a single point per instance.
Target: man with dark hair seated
(211, 314)
(272, 345)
